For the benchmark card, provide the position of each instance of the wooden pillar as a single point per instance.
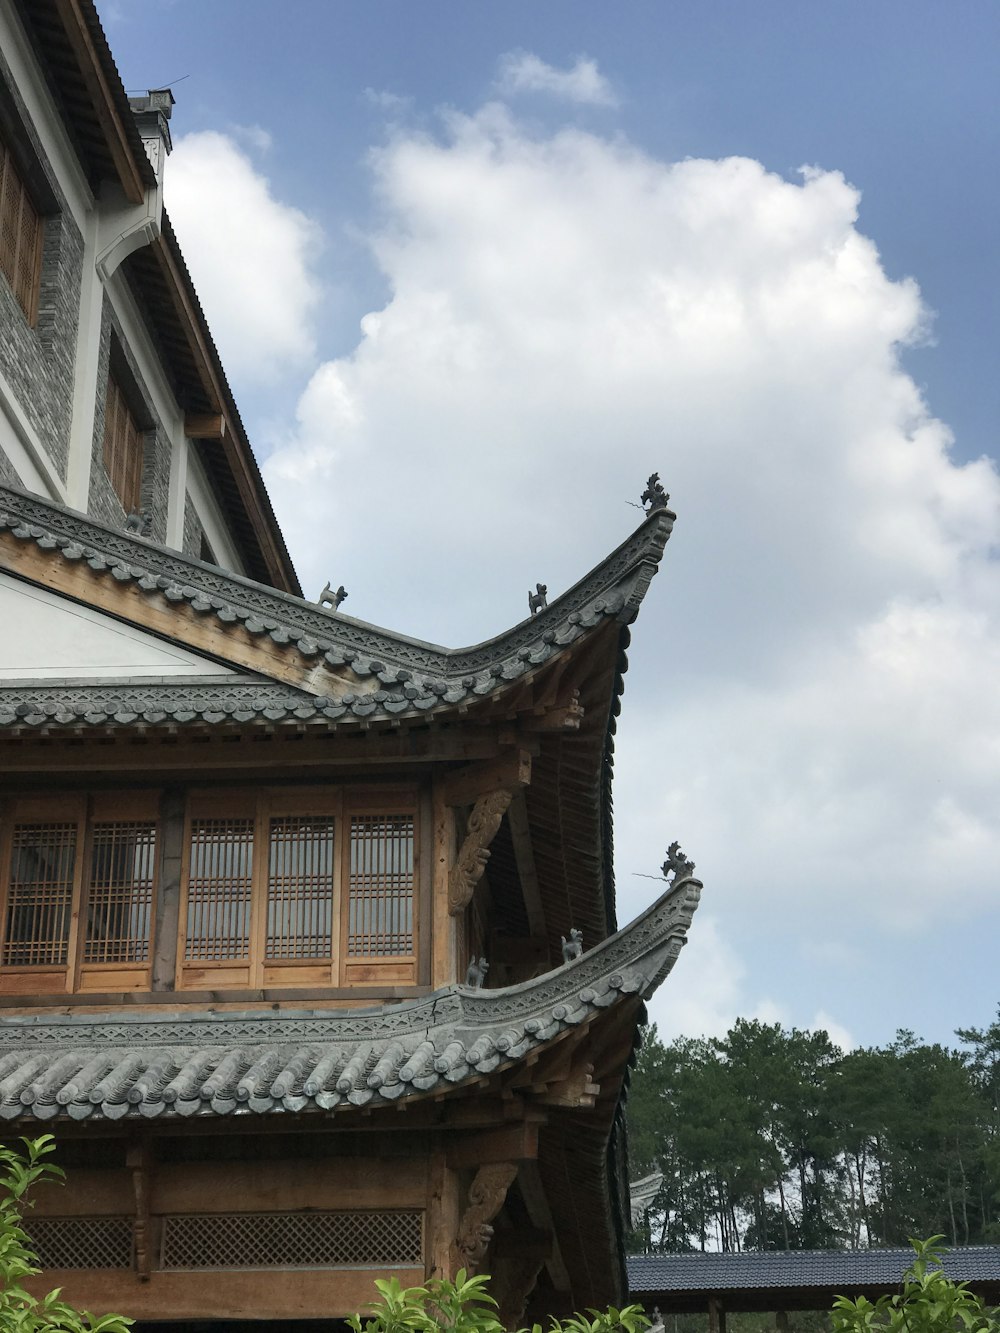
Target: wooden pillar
(442, 1217)
(168, 891)
(444, 961)
(781, 1321)
(716, 1315)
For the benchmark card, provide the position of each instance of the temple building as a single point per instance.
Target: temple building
(308, 946)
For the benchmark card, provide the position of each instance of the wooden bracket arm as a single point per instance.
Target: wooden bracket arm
(465, 874)
(487, 1194)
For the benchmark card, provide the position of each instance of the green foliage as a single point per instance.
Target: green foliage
(930, 1302)
(465, 1306)
(20, 1311)
(775, 1139)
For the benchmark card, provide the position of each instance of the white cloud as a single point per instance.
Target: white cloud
(250, 254)
(812, 704)
(583, 82)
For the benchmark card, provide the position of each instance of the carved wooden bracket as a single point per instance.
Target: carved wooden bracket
(470, 863)
(486, 1197)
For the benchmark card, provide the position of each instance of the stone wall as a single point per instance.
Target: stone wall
(38, 361)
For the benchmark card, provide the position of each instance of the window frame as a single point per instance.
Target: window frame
(76, 976)
(124, 462)
(258, 972)
(11, 167)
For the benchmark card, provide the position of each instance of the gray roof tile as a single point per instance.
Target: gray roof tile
(220, 1063)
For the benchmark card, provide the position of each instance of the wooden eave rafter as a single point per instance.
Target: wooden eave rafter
(79, 20)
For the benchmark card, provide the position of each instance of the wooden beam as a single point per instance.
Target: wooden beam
(509, 1143)
(466, 785)
(204, 425)
(105, 106)
(524, 855)
(139, 1161)
(168, 888)
(249, 751)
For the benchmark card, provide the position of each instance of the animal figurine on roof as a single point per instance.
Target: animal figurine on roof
(476, 974)
(330, 598)
(137, 523)
(538, 599)
(572, 948)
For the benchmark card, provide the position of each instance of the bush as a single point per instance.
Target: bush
(930, 1302)
(18, 1310)
(465, 1306)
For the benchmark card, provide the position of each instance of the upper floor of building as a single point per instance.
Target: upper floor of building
(113, 400)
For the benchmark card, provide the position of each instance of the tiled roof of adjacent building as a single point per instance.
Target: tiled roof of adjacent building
(798, 1268)
(82, 1066)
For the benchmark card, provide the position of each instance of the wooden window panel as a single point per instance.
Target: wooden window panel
(381, 876)
(40, 865)
(20, 236)
(122, 448)
(218, 888)
(300, 887)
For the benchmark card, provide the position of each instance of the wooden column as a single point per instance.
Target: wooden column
(442, 1217)
(716, 1315)
(444, 960)
(168, 892)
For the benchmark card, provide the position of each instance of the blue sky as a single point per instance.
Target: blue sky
(459, 248)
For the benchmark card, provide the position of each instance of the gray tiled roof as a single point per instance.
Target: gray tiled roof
(387, 675)
(798, 1268)
(82, 1066)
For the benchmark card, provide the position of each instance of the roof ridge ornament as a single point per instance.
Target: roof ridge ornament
(677, 866)
(538, 600)
(654, 497)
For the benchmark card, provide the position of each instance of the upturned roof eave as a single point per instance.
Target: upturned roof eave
(427, 678)
(220, 1063)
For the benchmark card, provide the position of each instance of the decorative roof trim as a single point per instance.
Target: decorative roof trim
(418, 677)
(82, 1066)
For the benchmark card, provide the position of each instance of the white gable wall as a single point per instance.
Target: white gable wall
(48, 638)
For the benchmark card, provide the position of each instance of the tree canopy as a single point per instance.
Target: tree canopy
(770, 1138)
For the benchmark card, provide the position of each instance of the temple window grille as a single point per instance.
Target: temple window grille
(356, 1239)
(20, 235)
(81, 1242)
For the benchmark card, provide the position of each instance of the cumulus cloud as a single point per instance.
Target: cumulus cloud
(812, 704)
(250, 255)
(583, 82)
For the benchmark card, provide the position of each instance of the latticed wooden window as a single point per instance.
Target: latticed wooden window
(77, 889)
(122, 448)
(220, 885)
(380, 912)
(20, 235)
(300, 887)
(286, 887)
(40, 894)
(120, 894)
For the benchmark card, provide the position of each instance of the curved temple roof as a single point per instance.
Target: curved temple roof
(350, 670)
(257, 1062)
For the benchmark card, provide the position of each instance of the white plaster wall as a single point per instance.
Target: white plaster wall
(49, 638)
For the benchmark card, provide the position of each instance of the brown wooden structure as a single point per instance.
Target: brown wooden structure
(239, 906)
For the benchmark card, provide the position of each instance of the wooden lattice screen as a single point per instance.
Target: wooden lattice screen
(300, 887)
(40, 894)
(20, 235)
(387, 1239)
(220, 888)
(380, 911)
(120, 896)
(122, 448)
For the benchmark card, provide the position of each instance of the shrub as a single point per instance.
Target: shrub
(18, 1309)
(930, 1302)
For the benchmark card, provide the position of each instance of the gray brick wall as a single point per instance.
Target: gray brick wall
(103, 501)
(192, 529)
(38, 361)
